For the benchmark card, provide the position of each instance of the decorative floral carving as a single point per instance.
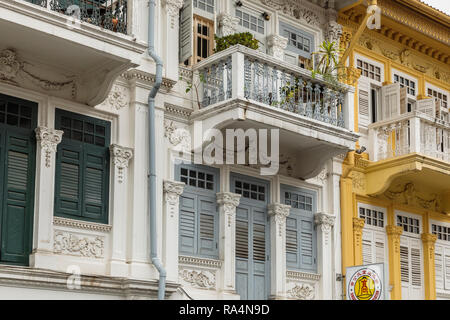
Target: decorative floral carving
(11, 66)
(229, 201)
(200, 279)
(227, 24)
(301, 10)
(325, 221)
(179, 137)
(121, 157)
(279, 212)
(49, 140)
(302, 292)
(277, 44)
(118, 97)
(173, 9)
(86, 246)
(333, 32)
(410, 196)
(358, 181)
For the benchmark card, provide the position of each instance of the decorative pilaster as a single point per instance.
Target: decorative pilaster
(227, 24)
(277, 44)
(120, 158)
(278, 213)
(169, 30)
(48, 140)
(429, 241)
(228, 202)
(172, 192)
(346, 192)
(173, 8)
(394, 233)
(358, 225)
(324, 223)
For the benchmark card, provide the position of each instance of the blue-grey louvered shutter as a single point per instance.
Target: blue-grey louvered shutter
(207, 226)
(187, 224)
(186, 31)
(307, 243)
(292, 253)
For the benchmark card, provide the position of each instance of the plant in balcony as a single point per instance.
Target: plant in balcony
(194, 85)
(244, 38)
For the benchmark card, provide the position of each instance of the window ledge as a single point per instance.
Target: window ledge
(198, 261)
(301, 275)
(78, 224)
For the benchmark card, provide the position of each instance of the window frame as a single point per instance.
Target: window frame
(297, 32)
(196, 56)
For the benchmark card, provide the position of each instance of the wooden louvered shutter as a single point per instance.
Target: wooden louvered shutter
(95, 183)
(439, 266)
(187, 230)
(367, 246)
(363, 100)
(426, 106)
(68, 184)
(403, 100)
(390, 100)
(446, 271)
(207, 231)
(292, 256)
(307, 243)
(186, 31)
(17, 196)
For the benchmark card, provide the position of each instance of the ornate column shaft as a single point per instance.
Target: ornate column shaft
(228, 202)
(358, 225)
(278, 213)
(277, 44)
(120, 158)
(172, 192)
(227, 24)
(429, 241)
(324, 223)
(394, 233)
(47, 142)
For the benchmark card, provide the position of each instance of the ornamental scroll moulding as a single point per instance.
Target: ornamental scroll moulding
(200, 279)
(79, 245)
(302, 292)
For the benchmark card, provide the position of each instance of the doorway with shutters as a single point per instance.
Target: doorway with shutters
(252, 237)
(18, 119)
(301, 235)
(199, 217)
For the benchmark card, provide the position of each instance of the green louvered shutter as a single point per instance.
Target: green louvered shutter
(82, 168)
(17, 198)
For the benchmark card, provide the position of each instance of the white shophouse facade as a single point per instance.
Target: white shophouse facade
(74, 145)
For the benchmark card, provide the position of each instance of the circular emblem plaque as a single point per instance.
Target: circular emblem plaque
(365, 284)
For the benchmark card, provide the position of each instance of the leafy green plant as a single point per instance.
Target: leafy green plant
(244, 38)
(195, 85)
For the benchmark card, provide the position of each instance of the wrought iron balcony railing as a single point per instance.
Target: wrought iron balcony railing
(408, 133)
(107, 14)
(260, 78)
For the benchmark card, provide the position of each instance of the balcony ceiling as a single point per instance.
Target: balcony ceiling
(55, 51)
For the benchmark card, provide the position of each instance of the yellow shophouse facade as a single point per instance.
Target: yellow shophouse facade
(395, 189)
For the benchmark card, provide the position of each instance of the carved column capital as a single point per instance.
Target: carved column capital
(172, 191)
(325, 221)
(48, 140)
(229, 201)
(279, 211)
(277, 44)
(429, 238)
(121, 157)
(394, 233)
(227, 24)
(173, 7)
(358, 224)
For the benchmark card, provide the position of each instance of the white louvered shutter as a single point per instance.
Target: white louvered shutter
(390, 100)
(446, 269)
(416, 269)
(403, 100)
(439, 266)
(367, 245)
(373, 246)
(186, 31)
(380, 247)
(363, 101)
(427, 106)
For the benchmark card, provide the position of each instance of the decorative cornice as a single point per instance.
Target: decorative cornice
(177, 111)
(201, 262)
(78, 224)
(298, 275)
(48, 140)
(120, 157)
(148, 78)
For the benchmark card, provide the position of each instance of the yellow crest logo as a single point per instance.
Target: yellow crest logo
(365, 284)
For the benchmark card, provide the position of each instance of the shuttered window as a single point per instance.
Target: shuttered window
(374, 236)
(411, 260)
(442, 256)
(300, 229)
(82, 167)
(198, 220)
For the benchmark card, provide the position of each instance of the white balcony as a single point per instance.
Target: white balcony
(412, 132)
(72, 49)
(315, 120)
